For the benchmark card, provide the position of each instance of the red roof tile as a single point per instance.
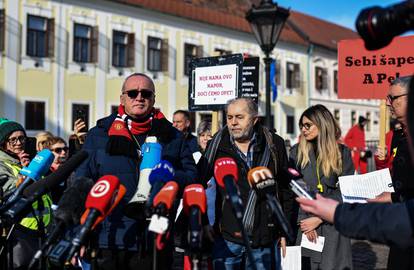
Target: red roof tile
(300, 29)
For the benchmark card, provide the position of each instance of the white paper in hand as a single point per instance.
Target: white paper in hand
(318, 246)
(158, 224)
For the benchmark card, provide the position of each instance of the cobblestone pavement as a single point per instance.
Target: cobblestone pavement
(369, 256)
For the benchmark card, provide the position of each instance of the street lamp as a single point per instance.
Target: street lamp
(267, 21)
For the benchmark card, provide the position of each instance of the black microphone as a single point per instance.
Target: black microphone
(262, 181)
(68, 213)
(36, 190)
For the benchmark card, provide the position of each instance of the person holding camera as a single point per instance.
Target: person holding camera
(320, 159)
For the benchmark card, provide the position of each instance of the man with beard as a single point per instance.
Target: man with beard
(250, 144)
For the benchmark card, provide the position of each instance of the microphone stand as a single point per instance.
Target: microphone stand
(239, 217)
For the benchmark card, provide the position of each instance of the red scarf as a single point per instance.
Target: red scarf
(124, 121)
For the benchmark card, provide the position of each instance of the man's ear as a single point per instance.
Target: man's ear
(256, 118)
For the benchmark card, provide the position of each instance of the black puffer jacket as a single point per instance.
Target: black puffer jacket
(265, 231)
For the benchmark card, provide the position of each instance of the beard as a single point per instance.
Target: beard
(243, 135)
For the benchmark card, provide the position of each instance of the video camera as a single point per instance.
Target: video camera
(378, 26)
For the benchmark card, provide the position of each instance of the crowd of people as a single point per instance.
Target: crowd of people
(115, 145)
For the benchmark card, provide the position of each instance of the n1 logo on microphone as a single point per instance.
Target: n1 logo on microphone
(100, 189)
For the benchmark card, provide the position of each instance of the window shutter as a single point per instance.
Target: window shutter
(50, 37)
(296, 78)
(2, 29)
(94, 44)
(278, 72)
(324, 79)
(199, 51)
(164, 55)
(131, 50)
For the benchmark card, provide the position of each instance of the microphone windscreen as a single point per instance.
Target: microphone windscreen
(194, 195)
(39, 165)
(293, 173)
(225, 167)
(167, 195)
(151, 153)
(261, 179)
(162, 172)
(102, 194)
(72, 204)
(60, 175)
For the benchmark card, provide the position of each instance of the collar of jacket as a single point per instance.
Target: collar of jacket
(161, 128)
(5, 157)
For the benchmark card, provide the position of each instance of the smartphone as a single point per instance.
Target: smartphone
(300, 189)
(80, 114)
(30, 147)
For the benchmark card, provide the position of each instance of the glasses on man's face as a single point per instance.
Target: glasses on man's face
(145, 93)
(307, 126)
(13, 141)
(391, 98)
(59, 150)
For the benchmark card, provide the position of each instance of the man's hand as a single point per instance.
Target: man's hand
(381, 153)
(321, 207)
(24, 158)
(312, 236)
(310, 224)
(283, 246)
(384, 197)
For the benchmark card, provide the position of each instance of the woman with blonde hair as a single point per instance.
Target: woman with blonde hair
(43, 140)
(321, 160)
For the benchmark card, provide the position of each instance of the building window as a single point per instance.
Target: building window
(220, 52)
(114, 109)
(292, 75)
(191, 51)
(35, 115)
(85, 43)
(368, 116)
(123, 45)
(2, 29)
(337, 116)
(353, 118)
(335, 77)
(40, 36)
(290, 124)
(80, 111)
(278, 72)
(157, 54)
(321, 78)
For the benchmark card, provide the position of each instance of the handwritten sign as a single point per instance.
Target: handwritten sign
(215, 85)
(364, 74)
(213, 81)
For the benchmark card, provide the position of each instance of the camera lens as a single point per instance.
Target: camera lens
(378, 26)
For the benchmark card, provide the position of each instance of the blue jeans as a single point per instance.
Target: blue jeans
(229, 256)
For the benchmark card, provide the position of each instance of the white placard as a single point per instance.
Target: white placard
(215, 85)
(358, 188)
(293, 258)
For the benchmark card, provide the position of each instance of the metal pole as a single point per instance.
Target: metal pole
(269, 122)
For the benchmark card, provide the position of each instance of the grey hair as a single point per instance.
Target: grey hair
(404, 82)
(204, 126)
(252, 107)
(140, 75)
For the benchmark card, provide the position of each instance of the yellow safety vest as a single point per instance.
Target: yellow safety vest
(30, 221)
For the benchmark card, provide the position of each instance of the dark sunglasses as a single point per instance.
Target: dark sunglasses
(59, 150)
(147, 94)
(392, 98)
(306, 125)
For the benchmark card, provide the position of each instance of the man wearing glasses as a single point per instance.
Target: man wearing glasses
(114, 147)
(402, 166)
